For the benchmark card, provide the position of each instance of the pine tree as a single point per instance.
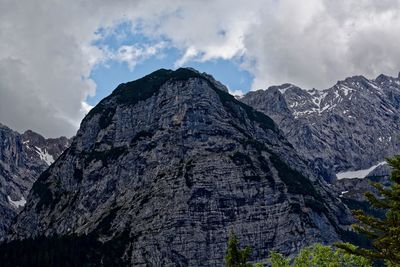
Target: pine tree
(236, 257)
(383, 233)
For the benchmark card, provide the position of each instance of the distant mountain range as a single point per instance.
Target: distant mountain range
(23, 157)
(351, 126)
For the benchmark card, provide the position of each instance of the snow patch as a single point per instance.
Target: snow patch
(374, 86)
(18, 203)
(44, 155)
(346, 90)
(317, 99)
(283, 90)
(336, 94)
(359, 173)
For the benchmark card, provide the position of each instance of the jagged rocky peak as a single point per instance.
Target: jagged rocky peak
(272, 101)
(167, 165)
(48, 149)
(385, 79)
(350, 126)
(22, 159)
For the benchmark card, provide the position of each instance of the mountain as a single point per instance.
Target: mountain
(162, 170)
(350, 126)
(23, 157)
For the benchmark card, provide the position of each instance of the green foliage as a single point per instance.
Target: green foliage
(364, 206)
(278, 260)
(323, 256)
(354, 238)
(318, 256)
(236, 257)
(384, 233)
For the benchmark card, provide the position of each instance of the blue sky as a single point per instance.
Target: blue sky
(55, 54)
(108, 74)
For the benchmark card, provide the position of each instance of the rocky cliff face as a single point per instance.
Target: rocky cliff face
(22, 159)
(166, 166)
(351, 126)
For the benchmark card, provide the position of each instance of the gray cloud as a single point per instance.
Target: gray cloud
(316, 44)
(46, 52)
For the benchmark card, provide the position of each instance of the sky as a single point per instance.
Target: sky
(59, 58)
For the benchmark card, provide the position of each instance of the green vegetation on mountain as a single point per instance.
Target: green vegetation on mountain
(384, 233)
(318, 256)
(236, 257)
(313, 256)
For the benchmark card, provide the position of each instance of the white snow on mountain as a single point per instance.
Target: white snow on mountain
(283, 90)
(17, 203)
(358, 173)
(44, 155)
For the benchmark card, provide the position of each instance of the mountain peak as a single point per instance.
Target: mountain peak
(323, 125)
(386, 79)
(131, 93)
(22, 158)
(142, 88)
(172, 153)
(281, 88)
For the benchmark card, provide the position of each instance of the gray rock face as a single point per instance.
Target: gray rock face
(172, 164)
(48, 149)
(351, 126)
(352, 193)
(22, 159)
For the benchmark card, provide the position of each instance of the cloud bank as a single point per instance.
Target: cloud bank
(48, 49)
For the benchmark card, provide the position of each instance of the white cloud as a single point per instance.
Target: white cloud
(132, 54)
(237, 92)
(85, 107)
(47, 51)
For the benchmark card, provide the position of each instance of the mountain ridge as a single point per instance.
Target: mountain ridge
(168, 165)
(350, 126)
(22, 159)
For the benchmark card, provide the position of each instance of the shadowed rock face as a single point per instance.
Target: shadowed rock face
(168, 165)
(22, 159)
(351, 126)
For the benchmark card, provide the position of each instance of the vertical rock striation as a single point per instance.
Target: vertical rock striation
(22, 159)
